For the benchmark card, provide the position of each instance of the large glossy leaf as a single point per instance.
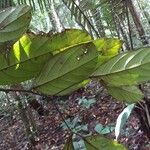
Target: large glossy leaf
(14, 21)
(126, 69)
(66, 69)
(72, 37)
(107, 48)
(30, 53)
(23, 62)
(128, 94)
(66, 39)
(122, 118)
(100, 143)
(75, 87)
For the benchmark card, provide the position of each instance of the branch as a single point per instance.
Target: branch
(61, 115)
(80, 14)
(129, 25)
(18, 90)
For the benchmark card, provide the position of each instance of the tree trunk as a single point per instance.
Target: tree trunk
(137, 22)
(6, 3)
(146, 14)
(119, 25)
(142, 109)
(57, 26)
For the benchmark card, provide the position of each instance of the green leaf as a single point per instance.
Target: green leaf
(69, 144)
(128, 68)
(67, 69)
(31, 52)
(72, 37)
(107, 129)
(128, 94)
(100, 143)
(99, 128)
(67, 39)
(122, 118)
(76, 87)
(87, 103)
(24, 62)
(79, 145)
(14, 21)
(96, 142)
(108, 48)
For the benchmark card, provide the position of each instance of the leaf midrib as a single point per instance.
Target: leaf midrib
(122, 70)
(22, 62)
(37, 86)
(51, 52)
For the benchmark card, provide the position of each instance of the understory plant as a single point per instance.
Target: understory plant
(64, 62)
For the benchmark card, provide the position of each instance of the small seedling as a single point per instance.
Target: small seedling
(87, 103)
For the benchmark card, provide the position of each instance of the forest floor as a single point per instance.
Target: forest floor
(52, 136)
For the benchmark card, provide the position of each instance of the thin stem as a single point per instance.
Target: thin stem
(84, 16)
(61, 115)
(18, 90)
(129, 26)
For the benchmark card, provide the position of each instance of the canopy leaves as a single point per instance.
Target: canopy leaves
(14, 21)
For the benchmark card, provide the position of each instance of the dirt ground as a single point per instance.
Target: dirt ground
(51, 136)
